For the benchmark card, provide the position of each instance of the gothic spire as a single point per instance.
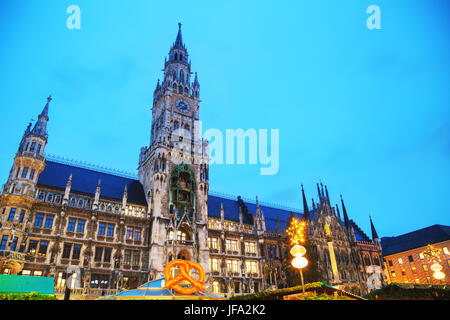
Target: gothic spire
(306, 215)
(374, 232)
(337, 210)
(40, 128)
(179, 40)
(346, 221)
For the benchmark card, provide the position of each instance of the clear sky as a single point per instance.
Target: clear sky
(364, 111)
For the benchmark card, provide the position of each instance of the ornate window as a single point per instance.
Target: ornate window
(182, 189)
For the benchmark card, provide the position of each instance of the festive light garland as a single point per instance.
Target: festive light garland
(295, 231)
(433, 254)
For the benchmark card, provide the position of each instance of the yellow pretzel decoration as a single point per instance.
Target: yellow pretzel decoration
(185, 268)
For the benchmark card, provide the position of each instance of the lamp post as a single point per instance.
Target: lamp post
(299, 262)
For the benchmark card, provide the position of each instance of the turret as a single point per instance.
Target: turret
(29, 161)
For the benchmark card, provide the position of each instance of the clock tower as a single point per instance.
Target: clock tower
(174, 168)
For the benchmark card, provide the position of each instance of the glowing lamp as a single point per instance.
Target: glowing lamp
(439, 275)
(436, 267)
(298, 250)
(299, 262)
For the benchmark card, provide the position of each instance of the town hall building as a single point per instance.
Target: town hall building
(111, 230)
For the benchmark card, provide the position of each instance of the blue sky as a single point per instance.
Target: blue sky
(364, 111)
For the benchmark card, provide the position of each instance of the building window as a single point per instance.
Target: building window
(425, 267)
(250, 247)
(98, 254)
(393, 274)
(410, 258)
(31, 174)
(127, 257)
(66, 251)
(110, 232)
(212, 243)
(26, 272)
(445, 249)
(39, 148)
(403, 272)
(216, 287)
(214, 263)
(22, 214)
(12, 213)
(390, 263)
(428, 280)
(80, 226)
(38, 220)
(101, 229)
(413, 269)
(14, 244)
(400, 261)
(181, 236)
(421, 256)
(251, 266)
(48, 222)
(417, 281)
(232, 265)
(33, 146)
(76, 251)
(71, 225)
(24, 172)
(107, 255)
(137, 234)
(136, 255)
(43, 248)
(129, 233)
(32, 246)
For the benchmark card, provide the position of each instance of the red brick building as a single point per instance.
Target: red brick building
(405, 260)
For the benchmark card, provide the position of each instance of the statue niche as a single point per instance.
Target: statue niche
(182, 189)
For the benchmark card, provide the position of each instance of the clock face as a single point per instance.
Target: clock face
(183, 106)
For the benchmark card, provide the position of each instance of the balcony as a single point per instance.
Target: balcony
(12, 260)
(12, 255)
(31, 155)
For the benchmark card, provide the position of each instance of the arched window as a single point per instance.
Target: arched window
(176, 56)
(182, 76)
(180, 89)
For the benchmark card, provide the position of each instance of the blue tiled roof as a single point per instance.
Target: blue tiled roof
(84, 181)
(359, 234)
(416, 239)
(231, 212)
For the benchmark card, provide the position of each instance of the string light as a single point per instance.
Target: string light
(296, 231)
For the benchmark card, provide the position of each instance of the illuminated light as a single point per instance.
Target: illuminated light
(439, 275)
(299, 262)
(298, 251)
(436, 267)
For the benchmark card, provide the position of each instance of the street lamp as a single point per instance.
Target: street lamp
(299, 262)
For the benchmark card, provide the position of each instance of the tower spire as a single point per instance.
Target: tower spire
(306, 215)
(40, 128)
(374, 232)
(345, 213)
(179, 40)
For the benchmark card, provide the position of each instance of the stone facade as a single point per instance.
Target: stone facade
(112, 231)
